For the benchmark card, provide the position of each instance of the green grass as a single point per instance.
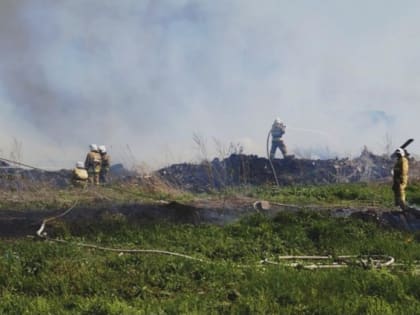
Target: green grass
(40, 277)
(354, 194)
(43, 277)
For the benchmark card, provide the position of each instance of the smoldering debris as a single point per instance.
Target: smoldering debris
(236, 170)
(240, 169)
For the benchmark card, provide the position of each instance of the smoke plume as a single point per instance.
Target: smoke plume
(144, 76)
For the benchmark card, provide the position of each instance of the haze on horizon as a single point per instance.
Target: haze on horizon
(144, 77)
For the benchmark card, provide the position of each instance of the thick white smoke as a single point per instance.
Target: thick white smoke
(144, 76)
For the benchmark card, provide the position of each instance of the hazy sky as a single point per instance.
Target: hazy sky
(144, 77)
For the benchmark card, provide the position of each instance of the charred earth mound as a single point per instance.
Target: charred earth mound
(236, 170)
(253, 170)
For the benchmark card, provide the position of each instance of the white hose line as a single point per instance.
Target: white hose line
(22, 164)
(374, 261)
(364, 260)
(269, 159)
(125, 250)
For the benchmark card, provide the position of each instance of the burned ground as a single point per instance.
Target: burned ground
(27, 222)
(16, 224)
(236, 170)
(253, 170)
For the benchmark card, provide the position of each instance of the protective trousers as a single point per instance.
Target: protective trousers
(399, 194)
(103, 174)
(400, 181)
(277, 144)
(93, 177)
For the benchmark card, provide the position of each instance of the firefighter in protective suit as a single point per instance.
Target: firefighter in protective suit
(93, 164)
(79, 175)
(105, 164)
(278, 129)
(400, 178)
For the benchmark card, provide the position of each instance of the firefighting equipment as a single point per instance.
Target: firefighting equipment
(102, 149)
(400, 152)
(93, 147)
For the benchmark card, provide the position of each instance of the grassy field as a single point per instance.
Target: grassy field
(227, 275)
